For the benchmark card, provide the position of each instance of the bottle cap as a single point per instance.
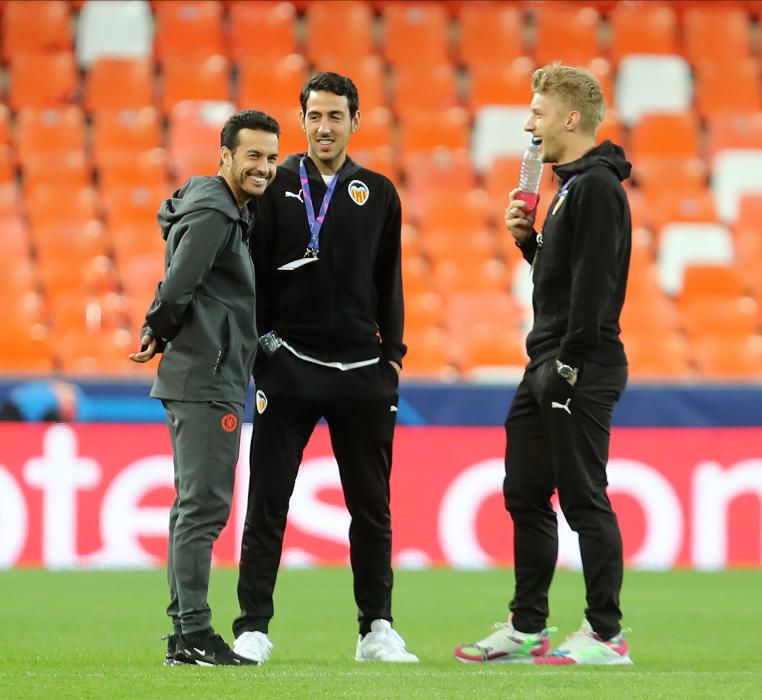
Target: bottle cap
(536, 140)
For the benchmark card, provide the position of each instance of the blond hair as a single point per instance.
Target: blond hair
(577, 87)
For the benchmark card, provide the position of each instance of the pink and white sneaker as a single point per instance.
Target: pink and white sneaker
(585, 647)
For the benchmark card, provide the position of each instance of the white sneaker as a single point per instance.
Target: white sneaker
(253, 645)
(505, 645)
(383, 643)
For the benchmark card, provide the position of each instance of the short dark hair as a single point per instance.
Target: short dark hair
(331, 82)
(247, 119)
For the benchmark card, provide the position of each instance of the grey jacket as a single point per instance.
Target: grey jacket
(203, 313)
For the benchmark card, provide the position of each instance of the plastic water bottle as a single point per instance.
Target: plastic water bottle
(531, 174)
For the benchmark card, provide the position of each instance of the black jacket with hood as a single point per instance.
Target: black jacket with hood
(348, 305)
(203, 314)
(580, 269)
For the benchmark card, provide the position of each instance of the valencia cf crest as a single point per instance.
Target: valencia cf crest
(261, 401)
(359, 192)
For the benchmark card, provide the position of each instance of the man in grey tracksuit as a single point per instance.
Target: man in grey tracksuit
(202, 320)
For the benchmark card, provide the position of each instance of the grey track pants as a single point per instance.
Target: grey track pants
(205, 441)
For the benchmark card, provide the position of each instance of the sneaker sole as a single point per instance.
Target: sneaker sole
(565, 661)
(499, 660)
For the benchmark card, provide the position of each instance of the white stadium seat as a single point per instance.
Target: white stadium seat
(735, 172)
(498, 131)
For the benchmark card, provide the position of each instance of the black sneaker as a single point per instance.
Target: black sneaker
(207, 649)
(169, 658)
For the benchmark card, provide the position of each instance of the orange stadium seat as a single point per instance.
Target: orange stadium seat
(42, 80)
(134, 169)
(748, 245)
(428, 354)
(490, 34)
(439, 209)
(565, 32)
(51, 204)
(679, 175)
(131, 240)
(422, 131)
(188, 29)
(35, 27)
(194, 78)
(5, 124)
(470, 276)
(665, 134)
(483, 346)
(415, 33)
(69, 242)
(376, 130)
(728, 357)
(19, 278)
(119, 83)
(665, 357)
(728, 86)
(272, 86)
(50, 130)
(648, 314)
(707, 282)
(274, 20)
(417, 277)
(642, 28)
(716, 32)
(10, 201)
(424, 87)
(733, 130)
(15, 241)
(439, 169)
(7, 165)
(30, 351)
(467, 246)
(129, 131)
(368, 74)
(423, 311)
(353, 19)
(194, 127)
(670, 207)
(23, 309)
(466, 310)
(133, 205)
(72, 167)
(506, 84)
(383, 160)
(84, 312)
(611, 129)
(719, 317)
(96, 352)
(139, 276)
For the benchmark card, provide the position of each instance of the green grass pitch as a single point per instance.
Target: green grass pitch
(97, 635)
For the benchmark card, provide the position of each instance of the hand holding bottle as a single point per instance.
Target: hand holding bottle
(518, 220)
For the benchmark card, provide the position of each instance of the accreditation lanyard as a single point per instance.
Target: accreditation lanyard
(315, 222)
(559, 200)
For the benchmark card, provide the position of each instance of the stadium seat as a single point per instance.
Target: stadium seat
(272, 86)
(133, 205)
(470, 276)
(709, 282)
(10, 201)
(423, 311)
(119, 83)
(611, 129)
(139, 276)
(642, 28)
(368, 74)
(7, 165)
(415, 33)
(132, 240)
(648, 313)
(424, 88)
(735, 172)
(76, 311)
(130, 131)
(383, 159)
(15, 242)
(670, 175)
(439, 169)
(120, 169)
(274, 20)
(46, 131)
(42, 80)
(726, 130)
(499, 131)
(189, 29)
(376, 130)
(30, 351)
(466, 310)
(416, 276)
(665, 135)
(482, 349)
(637, 93)
(451, 244)
(194, 127)
(678, 207)
(92, 276)
(72, 167)
(748, 244)
(194, 78)
(69, 243)
(684, 244)
(118, 29)
(718, 317)
(440, 209)
(565, 32)
(35, 27)
(23, 309)
(728, 86)
(96, 352)
(703, 26)
(666, 359)
(501, 84)
(51, 204)
(324, 18)
(422, 131)
(428, 354)
(19, 278)
(729, 357)
(5, 124)
(490, 35)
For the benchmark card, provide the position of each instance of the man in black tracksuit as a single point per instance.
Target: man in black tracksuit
(202, 320)
(326, 248)
(558, 426)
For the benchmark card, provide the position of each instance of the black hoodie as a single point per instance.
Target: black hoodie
(205, 306)
(580, 268)
(348, 305)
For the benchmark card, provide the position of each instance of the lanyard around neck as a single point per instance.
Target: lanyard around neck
(315, 222)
